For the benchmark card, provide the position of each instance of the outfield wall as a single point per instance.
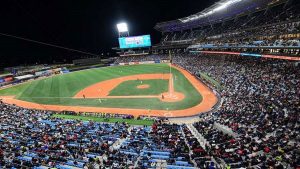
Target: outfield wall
(139, 63)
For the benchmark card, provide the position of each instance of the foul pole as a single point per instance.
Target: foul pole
(171, 76)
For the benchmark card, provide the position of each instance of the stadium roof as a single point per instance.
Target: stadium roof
(222, 10)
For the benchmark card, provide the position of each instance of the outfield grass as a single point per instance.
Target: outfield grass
(129, 88)
(107, 120)
(60, 89)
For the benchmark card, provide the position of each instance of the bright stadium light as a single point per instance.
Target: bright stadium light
(226, 4)
(122, 27)
(223, 4)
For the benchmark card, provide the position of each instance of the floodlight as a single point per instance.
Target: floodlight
(218, 7)
(122, 27)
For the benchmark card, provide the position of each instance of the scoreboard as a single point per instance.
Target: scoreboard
(135, 42)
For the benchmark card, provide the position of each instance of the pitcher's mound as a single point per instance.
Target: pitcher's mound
(143, 86)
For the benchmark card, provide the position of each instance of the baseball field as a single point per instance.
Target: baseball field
(146, 89)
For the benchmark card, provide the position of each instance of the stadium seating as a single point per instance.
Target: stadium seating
(38, 141)
(255, 124)
(275, 26)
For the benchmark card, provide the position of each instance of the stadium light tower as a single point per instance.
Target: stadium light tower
(123, 29)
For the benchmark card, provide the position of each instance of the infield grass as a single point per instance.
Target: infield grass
(129, 88)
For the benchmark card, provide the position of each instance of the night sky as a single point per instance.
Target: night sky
(87, 25)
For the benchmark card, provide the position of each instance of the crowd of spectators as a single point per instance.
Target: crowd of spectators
(260, 103)
(200, 155)
(260, 106)
(31, 138)
(292, 43)
(100, 115)
(36, 139)
(125, 59)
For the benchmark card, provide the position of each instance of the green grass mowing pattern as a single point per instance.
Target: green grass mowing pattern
(15, 90)
(59, 90)
(107, 120)
(129, 88)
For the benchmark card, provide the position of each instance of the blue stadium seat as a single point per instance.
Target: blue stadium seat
(160, 157)
(178, 167)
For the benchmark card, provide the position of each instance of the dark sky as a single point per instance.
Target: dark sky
(87, 25)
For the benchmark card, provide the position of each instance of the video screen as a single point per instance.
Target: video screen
(135, 42)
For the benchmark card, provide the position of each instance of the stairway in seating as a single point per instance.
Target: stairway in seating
(186, 142)
(225, 129)
(201, 140)
(199, 136)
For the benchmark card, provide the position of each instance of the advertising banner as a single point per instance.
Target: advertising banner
(147, 62)
(56, 70)
(8, 79)
(49, 72)
(165, 61)
(282, 57)
(39, 73)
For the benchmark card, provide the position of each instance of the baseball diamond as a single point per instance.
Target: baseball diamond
(118, 89)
